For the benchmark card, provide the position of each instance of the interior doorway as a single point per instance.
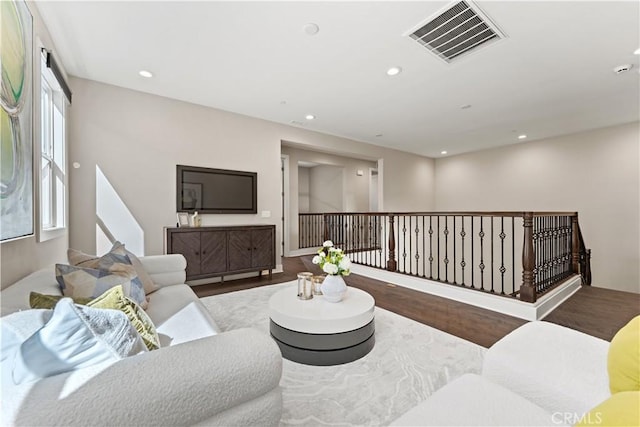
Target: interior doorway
(284, 193)
(374, 197)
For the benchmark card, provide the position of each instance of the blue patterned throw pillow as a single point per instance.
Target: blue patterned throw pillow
(82, 282)
(116, 262)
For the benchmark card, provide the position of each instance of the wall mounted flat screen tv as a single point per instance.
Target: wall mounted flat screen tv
(216, 191)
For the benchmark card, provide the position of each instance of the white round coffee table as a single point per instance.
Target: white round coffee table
(318, 332)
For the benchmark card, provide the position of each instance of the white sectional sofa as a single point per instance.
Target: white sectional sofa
(199, 376)
(541, 374)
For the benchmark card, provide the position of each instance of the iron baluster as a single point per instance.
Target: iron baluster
(430, 247)
(502, 268)
(404, 243)
(492, 291)
(438, 246)
(481, 265)
(455, 282)
(417, 256)
(424, 265)
(462, 263)
(446, 248)
(473, 250)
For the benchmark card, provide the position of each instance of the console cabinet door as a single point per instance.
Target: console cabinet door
(188, 244)
(240, 249)
(213, 252)
(219, 251)
(262, 245)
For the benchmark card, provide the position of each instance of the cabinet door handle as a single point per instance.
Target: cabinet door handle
(248, 249)
(255, 249)
(197, 253)
(204, 252)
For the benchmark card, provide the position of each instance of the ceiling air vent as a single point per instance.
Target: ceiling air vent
(458, 30)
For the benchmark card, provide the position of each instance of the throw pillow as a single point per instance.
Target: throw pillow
(116, 261)
(75, 337)
(81, 259)
(115, 299)
(37, 300)
(623, 360)
(80, 282)
(621, 409)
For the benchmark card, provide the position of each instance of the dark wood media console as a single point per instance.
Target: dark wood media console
(221, 251)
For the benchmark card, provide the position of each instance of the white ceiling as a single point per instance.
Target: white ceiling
(552, 75)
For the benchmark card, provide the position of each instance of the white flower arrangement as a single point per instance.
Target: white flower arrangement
(332, 260)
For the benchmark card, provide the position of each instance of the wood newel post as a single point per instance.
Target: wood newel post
(527, 290)
(391, 262)
(325, 218)
(575, 245)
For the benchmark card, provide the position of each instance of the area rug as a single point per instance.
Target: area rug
(407, 364)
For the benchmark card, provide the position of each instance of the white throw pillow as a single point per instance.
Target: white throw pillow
(75, 337)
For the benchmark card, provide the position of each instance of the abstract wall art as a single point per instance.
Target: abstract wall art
(16, 135)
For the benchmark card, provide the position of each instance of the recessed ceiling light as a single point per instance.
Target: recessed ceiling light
(443, 152)
(378, 135)
(311, 29)
(523, 136)
(309, 117)
(466, 107)
(637, 51)
(145, 73)
(394, 71)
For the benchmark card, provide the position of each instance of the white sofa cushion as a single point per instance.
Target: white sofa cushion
(473, 401)
(559, 369)
(165, 270)
(179, 316)
(16, 297)
(16, 327)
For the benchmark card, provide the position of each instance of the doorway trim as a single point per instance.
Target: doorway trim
(285, 190)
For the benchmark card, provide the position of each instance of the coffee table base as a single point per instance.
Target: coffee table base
(324, 349)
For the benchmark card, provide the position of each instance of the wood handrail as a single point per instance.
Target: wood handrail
(507, 214)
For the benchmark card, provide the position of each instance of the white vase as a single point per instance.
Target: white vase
(333, 288)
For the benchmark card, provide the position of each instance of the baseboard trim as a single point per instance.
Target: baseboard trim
(508, 306)
(301, 252)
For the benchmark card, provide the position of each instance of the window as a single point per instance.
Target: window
(53, 180)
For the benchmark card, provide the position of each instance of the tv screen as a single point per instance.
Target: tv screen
(216, 191)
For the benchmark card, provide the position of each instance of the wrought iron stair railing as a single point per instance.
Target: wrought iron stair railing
(514, 254)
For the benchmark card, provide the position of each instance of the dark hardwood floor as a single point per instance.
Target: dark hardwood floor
(596, 311)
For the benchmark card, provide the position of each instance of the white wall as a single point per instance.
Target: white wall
(303, 189)
(595, 173)
(135, 141)
(21, 257)
(326, 189)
